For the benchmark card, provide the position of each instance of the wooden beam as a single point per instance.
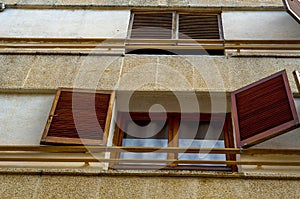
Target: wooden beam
(95, 149)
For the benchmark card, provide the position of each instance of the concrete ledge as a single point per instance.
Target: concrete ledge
(117, 4)
(146, 173)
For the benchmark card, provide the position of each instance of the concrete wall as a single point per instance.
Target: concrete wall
(23, 118)
(114, 24)
(64, 23)
(259, 25)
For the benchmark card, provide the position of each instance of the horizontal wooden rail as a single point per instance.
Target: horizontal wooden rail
(106, 40)
(49, 45)
(88, 154)
(60, 44)
(150, 161)
(84, 149)
(57, 40)
(262, 44)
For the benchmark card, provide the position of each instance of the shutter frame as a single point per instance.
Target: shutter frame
(293, 8)
(242, 137)
(59, 138)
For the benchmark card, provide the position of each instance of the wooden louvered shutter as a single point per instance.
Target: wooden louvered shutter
(197, 26)
(263, 110)
(152, 26)
(79, 117)
(293, 8)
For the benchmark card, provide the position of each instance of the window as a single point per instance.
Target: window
(149, 31)
(178, 130)
(260, 111)
(79, 117)
(263, 110)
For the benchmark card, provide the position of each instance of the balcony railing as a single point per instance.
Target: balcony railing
(88, 154)
(118, 45)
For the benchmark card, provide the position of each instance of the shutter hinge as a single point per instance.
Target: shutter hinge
(241, 150)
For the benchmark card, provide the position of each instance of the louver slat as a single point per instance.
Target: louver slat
(78, 117)
(198, 27)
(263, 110)
(152, 26)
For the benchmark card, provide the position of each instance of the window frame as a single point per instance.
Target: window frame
(173, 120)
(175, 45)
(175, 22)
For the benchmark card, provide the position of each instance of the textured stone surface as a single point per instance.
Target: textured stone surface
(98, 72)
(51, 72)
(211, 73)
(18, 186)
(244, 71)
(14, 70)
(139, 72)
(175, 73)
(68, 187)
(55, 186)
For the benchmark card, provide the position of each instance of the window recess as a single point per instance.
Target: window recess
(178, 130)
(175, 33)
(79, 117)
(263, 110)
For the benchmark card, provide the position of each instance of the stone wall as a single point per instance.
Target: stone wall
(123, 186)
(140, 72)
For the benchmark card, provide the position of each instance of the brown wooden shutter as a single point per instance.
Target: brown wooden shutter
(293, 8)
(263, 110)
(197, 26)
(152, 26)
(79, 117)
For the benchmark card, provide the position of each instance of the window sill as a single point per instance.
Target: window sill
(146, 173)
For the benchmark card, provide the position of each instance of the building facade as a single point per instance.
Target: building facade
(142, 73)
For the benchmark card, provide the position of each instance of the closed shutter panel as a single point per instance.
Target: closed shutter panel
(263, 110)
(152, 26)
(78, 117)
(198, 26)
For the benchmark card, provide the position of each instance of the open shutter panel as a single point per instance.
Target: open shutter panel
(263, 110)
(198, 26)
(79, 117)
(152, 26)
(293, 8)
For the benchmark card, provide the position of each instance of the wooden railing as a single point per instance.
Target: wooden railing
(89, 154)
(81, 44)
(266, 45)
